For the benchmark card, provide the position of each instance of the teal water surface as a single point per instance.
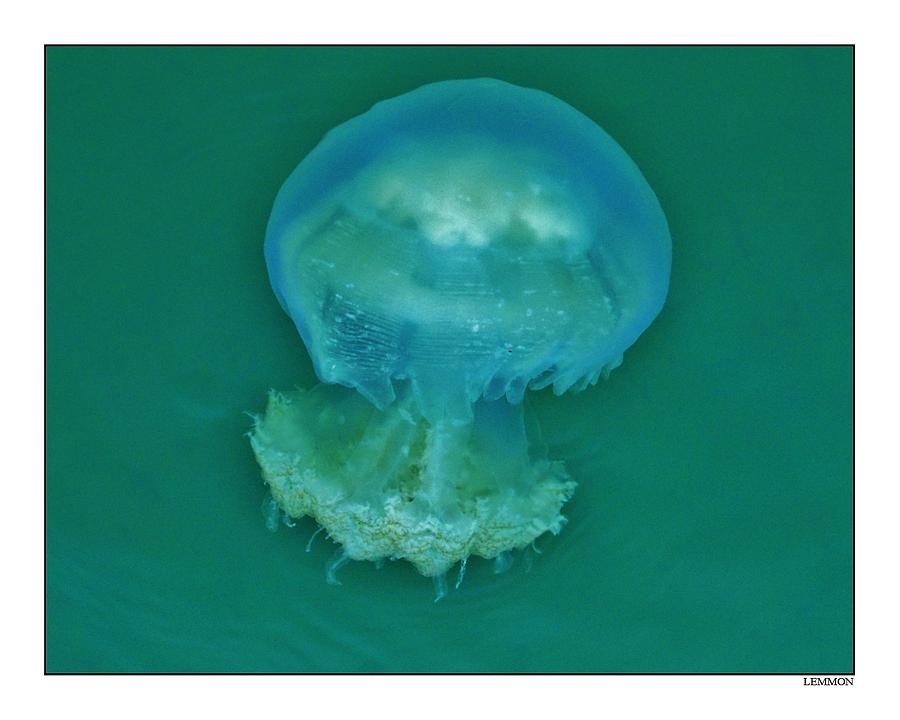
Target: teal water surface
(711, 529)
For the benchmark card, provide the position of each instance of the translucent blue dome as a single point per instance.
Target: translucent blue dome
(472, 238)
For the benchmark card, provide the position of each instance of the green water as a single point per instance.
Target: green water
(711, 530)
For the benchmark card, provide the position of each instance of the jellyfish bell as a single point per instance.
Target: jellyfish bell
(439, 255)
(472, 238)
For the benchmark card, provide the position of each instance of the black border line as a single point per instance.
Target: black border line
(852, 47)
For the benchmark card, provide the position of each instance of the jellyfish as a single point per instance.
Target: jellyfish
(441, 255)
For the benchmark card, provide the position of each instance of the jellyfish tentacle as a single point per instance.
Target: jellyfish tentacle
(440, 586)
(312, 537)
(271, 512)
(502, 562)
(339, 559)
(462, 572)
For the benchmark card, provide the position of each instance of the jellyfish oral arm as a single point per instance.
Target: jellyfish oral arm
(396, 486)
